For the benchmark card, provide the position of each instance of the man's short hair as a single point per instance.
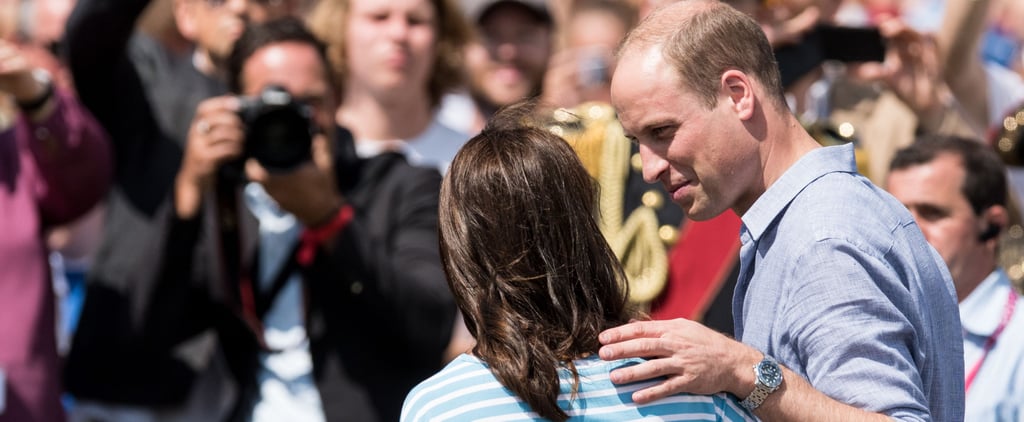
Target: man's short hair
(709, 39)
(257, 36)
(985, 180)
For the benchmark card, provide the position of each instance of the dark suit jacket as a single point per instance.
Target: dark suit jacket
(379, 314)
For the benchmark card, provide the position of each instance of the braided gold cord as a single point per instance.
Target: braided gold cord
(598, 139)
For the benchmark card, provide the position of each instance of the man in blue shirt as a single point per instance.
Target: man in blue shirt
(843, 309)
(956, 190)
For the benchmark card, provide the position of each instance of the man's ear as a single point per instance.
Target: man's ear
(737, 88)
(186, 19)
(996, 218)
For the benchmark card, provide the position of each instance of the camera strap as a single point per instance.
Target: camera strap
(257, 302)
(253, 302)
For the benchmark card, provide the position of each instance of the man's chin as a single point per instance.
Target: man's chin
(697, 212)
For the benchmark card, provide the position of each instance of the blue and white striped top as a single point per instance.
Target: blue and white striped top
(466, 390)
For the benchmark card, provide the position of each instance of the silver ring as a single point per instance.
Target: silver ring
(203, 127)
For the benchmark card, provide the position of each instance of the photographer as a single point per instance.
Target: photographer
(144, 92)
(336, 270)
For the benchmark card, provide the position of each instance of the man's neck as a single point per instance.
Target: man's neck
(970, 282)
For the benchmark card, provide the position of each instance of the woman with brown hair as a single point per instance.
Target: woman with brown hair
(536, 283)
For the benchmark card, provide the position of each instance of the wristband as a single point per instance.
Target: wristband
(313, 237)
(33, 105)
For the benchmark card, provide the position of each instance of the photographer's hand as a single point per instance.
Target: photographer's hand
(215, 137)
(308, 192)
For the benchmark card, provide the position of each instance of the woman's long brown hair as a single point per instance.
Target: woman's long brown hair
(529, 268)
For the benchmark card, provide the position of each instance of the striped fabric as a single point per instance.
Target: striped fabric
(466, 390)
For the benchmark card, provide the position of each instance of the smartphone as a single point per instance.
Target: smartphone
(829, 42)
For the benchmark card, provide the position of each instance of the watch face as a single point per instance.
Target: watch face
(769, 374)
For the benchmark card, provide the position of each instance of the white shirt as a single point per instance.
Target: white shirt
(997, 392)
(287, 389)
(434, 147)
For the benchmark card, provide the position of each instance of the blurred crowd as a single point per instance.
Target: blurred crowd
(159, 263)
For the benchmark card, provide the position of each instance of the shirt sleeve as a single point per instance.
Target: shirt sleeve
(853, 333)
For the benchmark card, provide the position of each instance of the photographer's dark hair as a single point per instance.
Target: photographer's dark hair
(525, 259)
(985, 181)
(257, 36)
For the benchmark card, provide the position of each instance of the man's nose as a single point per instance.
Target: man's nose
(653, 164)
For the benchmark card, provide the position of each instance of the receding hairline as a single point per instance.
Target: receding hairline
(662, 23)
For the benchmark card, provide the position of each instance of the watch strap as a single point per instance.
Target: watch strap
(761, 391)
(756, 397)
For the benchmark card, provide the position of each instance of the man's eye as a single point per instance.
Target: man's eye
(662, 132)
(931, 213)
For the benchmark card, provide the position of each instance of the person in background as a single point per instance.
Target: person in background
(337, 305)
(144, 92)
(506, 60)
(841, 306)
(394, 61)
(534, 294)
(956, 189)
(55, 165)
(580, 71)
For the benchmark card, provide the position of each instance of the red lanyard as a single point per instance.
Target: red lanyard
(1011, 303)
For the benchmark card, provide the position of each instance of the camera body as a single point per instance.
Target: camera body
(278, 129)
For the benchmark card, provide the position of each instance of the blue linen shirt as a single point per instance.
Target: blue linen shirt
(997, 393)
(839, 285)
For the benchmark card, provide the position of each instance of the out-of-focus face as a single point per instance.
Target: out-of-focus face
(700, 155)
(298, 69)
(508, 60)
(932, 193)
(215, 25)
(391, 46)
(50, 17)
(580, 30)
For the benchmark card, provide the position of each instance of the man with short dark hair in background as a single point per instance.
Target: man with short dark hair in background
(956, 189)
(337, 304)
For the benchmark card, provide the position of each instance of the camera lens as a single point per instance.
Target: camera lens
(280, 139)
(279, 130)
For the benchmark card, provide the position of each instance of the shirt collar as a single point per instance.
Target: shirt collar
(982, 310)
(807, 169)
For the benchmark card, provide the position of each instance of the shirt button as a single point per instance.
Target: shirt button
(356, 288)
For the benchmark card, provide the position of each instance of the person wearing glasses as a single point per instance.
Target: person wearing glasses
(145, 94)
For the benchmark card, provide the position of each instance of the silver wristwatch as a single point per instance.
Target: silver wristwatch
(768, 376)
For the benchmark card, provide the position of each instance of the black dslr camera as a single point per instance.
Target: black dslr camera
(278, 129)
